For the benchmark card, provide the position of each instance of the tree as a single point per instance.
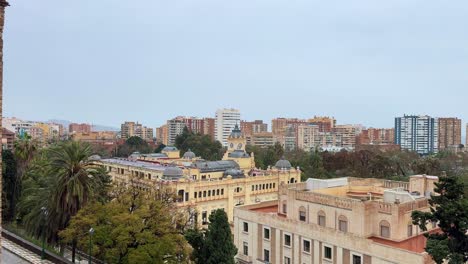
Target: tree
(24, 150)
(9, 183)
(201, 145)
(133, 144)
(159, 148)
(63, 180)
(449, 208)
(135, 227)
(214, 245)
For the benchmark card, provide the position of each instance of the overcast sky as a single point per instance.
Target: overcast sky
(107, 61)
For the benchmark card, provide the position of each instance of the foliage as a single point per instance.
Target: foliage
(214, 245)
(133, 144)
(202, 145)
(135, 227)
(8, 185)
(159, 148)
(62, 180)
(449, 208)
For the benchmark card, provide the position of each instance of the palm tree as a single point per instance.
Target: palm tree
(64, 184)
(25, 149)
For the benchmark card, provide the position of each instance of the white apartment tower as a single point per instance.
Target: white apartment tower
(225, 121)
(417, 133)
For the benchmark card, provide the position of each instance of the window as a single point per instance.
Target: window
(302, 214)
(343, 223)
(204, 218)
(306, 246)
(266, 233)
(209, 193)
(204, 193)
(321, 218)
(253, 188)
(222, 191)
(409, 230)
(245, 248)
(285, 208)
(356, 259)
(217, 192)
(327, 252)
(266, 255)
(195, 195)
(384, 229)
(274, 184)
(246, 227)
(287, 240)
(287, 260)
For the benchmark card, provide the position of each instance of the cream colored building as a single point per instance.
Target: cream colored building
(206, 185)
(339, 221)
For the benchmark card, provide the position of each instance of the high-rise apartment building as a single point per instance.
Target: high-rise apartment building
(347, 133)
(250, 128)
(130, 129)
(263, 139)
(376, 136)
(280, 124)
(79, 128)
(325, 123)
(225, 121)
(417, 133)
(449, 132)
(175, 127)
(209, 127)
(162, 135)
(307, 137)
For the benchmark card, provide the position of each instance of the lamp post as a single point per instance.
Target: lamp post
(44, 215)
(91, 233)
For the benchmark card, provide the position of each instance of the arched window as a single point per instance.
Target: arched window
(302, 214)
(321, 218)
(384, 228)
(343, 223)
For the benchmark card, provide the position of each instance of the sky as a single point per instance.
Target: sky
(361, 61)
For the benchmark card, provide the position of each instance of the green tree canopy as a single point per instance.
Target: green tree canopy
(214, 245)
(133, 144)
(449, 208)
(202, 145)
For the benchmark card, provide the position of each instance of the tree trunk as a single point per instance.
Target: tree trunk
(3, 4)
(74, 250)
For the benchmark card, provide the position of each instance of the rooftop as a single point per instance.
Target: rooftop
(135, 163)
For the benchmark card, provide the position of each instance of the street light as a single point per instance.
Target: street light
(44, 216)
(91, 233)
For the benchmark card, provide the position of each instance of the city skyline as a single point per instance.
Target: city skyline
(391, 58)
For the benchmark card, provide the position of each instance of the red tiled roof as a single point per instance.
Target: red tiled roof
(415, 244)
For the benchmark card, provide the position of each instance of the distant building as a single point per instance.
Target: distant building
(449, 132)
(347, 133)
(225, 121)
(8, 139)
(79, 128)
(162, 135)
(209, 127)
(175, 127)
(95, 136)
(324, 123)
(130, 129)
(376, 136)
(308, 137)
(342, 220)
(262, 139)
(250, 128)
(417, 133)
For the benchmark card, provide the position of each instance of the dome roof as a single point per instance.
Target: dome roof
(283, 164)
(173, 173)
(169, 148)
(238, 154)
(235, 173)
(94, 157)
(236, 132)
(189, 155)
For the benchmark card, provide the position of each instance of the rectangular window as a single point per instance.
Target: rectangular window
(266, 233)
(302, 216)
(321, 220)
(409, 230)
(356, 259)
(195, 194)
(306, 246)
(285, 208)
(343, 226)
(245, 249)
(287, 260)
(384, 231)
(222, 191)
(287, 240)
(266, 255)
(327, 252)
(246, 227)
(204, 217)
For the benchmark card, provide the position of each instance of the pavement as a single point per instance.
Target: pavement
(14, 254)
